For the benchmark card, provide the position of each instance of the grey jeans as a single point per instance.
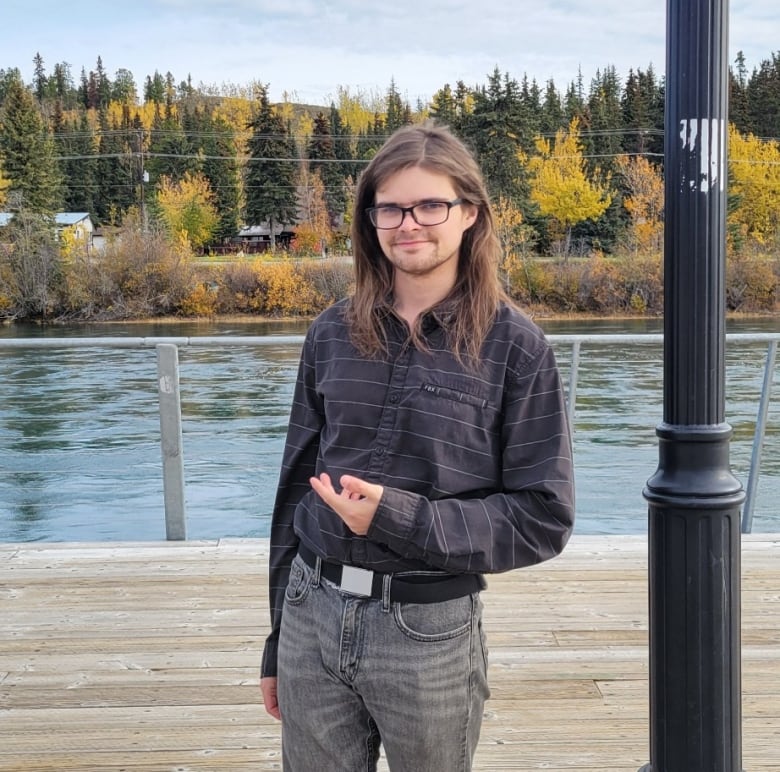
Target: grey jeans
(355, 672)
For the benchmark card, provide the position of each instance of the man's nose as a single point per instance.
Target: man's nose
(408, 221)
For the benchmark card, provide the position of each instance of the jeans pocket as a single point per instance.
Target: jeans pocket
(435, 621)
(299, 583)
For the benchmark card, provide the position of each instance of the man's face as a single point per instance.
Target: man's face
(423, 250)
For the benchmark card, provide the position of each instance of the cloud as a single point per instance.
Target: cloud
(312, 47)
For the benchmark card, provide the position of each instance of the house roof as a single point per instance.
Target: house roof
(70, 218)
(61, 218)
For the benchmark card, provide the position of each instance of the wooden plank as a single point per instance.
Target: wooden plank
(145, 657)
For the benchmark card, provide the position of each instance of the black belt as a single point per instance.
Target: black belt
(404, 588)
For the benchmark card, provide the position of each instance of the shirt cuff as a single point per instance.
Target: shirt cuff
(270, 654)
(395, 521)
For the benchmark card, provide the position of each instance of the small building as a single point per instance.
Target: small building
(257, 238)
(79, 223)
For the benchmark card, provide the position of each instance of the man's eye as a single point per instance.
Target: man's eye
(431, 206)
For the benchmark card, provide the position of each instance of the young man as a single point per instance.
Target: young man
(428, 445)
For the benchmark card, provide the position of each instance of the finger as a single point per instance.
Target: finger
(355, 485)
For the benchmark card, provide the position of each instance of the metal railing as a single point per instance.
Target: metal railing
(169, 397)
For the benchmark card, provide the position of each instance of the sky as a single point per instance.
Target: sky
(310, 49)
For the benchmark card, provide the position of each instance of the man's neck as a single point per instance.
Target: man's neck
(413, 295)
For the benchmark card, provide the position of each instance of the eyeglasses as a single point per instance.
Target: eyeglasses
(389, 216)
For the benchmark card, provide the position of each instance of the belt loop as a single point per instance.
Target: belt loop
(317, 572)
(386, 581)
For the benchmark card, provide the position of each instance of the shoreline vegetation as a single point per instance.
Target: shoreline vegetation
(145, 277)
(177, 180)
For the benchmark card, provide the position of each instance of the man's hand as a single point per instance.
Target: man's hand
(268, 688)
(357, 503)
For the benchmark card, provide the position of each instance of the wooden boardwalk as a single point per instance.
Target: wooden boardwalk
(145, 657)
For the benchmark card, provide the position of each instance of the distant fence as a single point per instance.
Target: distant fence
(169, 398)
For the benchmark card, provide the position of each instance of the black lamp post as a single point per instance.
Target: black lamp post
(693, 499)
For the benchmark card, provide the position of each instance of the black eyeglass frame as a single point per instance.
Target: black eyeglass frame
(373, 211)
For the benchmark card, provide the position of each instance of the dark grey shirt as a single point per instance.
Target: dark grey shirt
(476, 465)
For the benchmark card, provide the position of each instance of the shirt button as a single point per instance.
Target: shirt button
(380, 451)
(394, 398)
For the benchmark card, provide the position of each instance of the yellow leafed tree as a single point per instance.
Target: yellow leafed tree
(187, 208)
(644, 202)
(754, 186)
(560, 185)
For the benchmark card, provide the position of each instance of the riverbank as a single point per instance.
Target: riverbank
(535, 312)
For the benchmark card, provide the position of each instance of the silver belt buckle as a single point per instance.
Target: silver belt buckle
(356, 581)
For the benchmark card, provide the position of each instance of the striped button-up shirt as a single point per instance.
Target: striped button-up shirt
(475, 462)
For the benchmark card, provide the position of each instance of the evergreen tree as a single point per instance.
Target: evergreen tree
(62, 86)
(76, 146)
(529, 115)
(494, 130)
(217, 148)
(552, 118)
(40, 81)
(154, 89)
(763, 97)
(604, 147)
(443, 107)
(171, 154)
(397, 114)
(117, 171)
(7, 78)
(27, 151)
(322, 158)
(103, 85)
(124, 89)
(269, 179)
(738, 98)
(606, 119)
(343, 145)
(642, 107)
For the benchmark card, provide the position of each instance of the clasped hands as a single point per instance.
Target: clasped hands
(357, 502)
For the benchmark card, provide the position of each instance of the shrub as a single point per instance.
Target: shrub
(139, 274)
(287, 292)
(201, 301)
(751, 283)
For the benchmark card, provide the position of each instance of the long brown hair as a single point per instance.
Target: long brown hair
(477, 292)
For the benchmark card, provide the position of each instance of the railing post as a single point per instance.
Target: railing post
(574, 370)
(171, 441)
(758, 437)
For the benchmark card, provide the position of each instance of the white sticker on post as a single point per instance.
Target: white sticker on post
(356, 581)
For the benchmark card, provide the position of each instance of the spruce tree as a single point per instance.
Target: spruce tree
(27, 151)
(763, 97)
(551, 118)
(270, 175)
(217, 147)
(76, 148)
(322, 160)
(494, 130)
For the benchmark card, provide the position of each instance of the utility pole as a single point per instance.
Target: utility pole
(693, 499)
(144, 177)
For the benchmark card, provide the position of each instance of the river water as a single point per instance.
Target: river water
(80, 456)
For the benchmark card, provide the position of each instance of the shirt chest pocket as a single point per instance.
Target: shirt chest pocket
(455, 395)
(455, 412)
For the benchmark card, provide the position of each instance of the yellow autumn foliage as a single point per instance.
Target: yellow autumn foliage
(560, 184)
(754, 186)
(187, 208)
(644, 202)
